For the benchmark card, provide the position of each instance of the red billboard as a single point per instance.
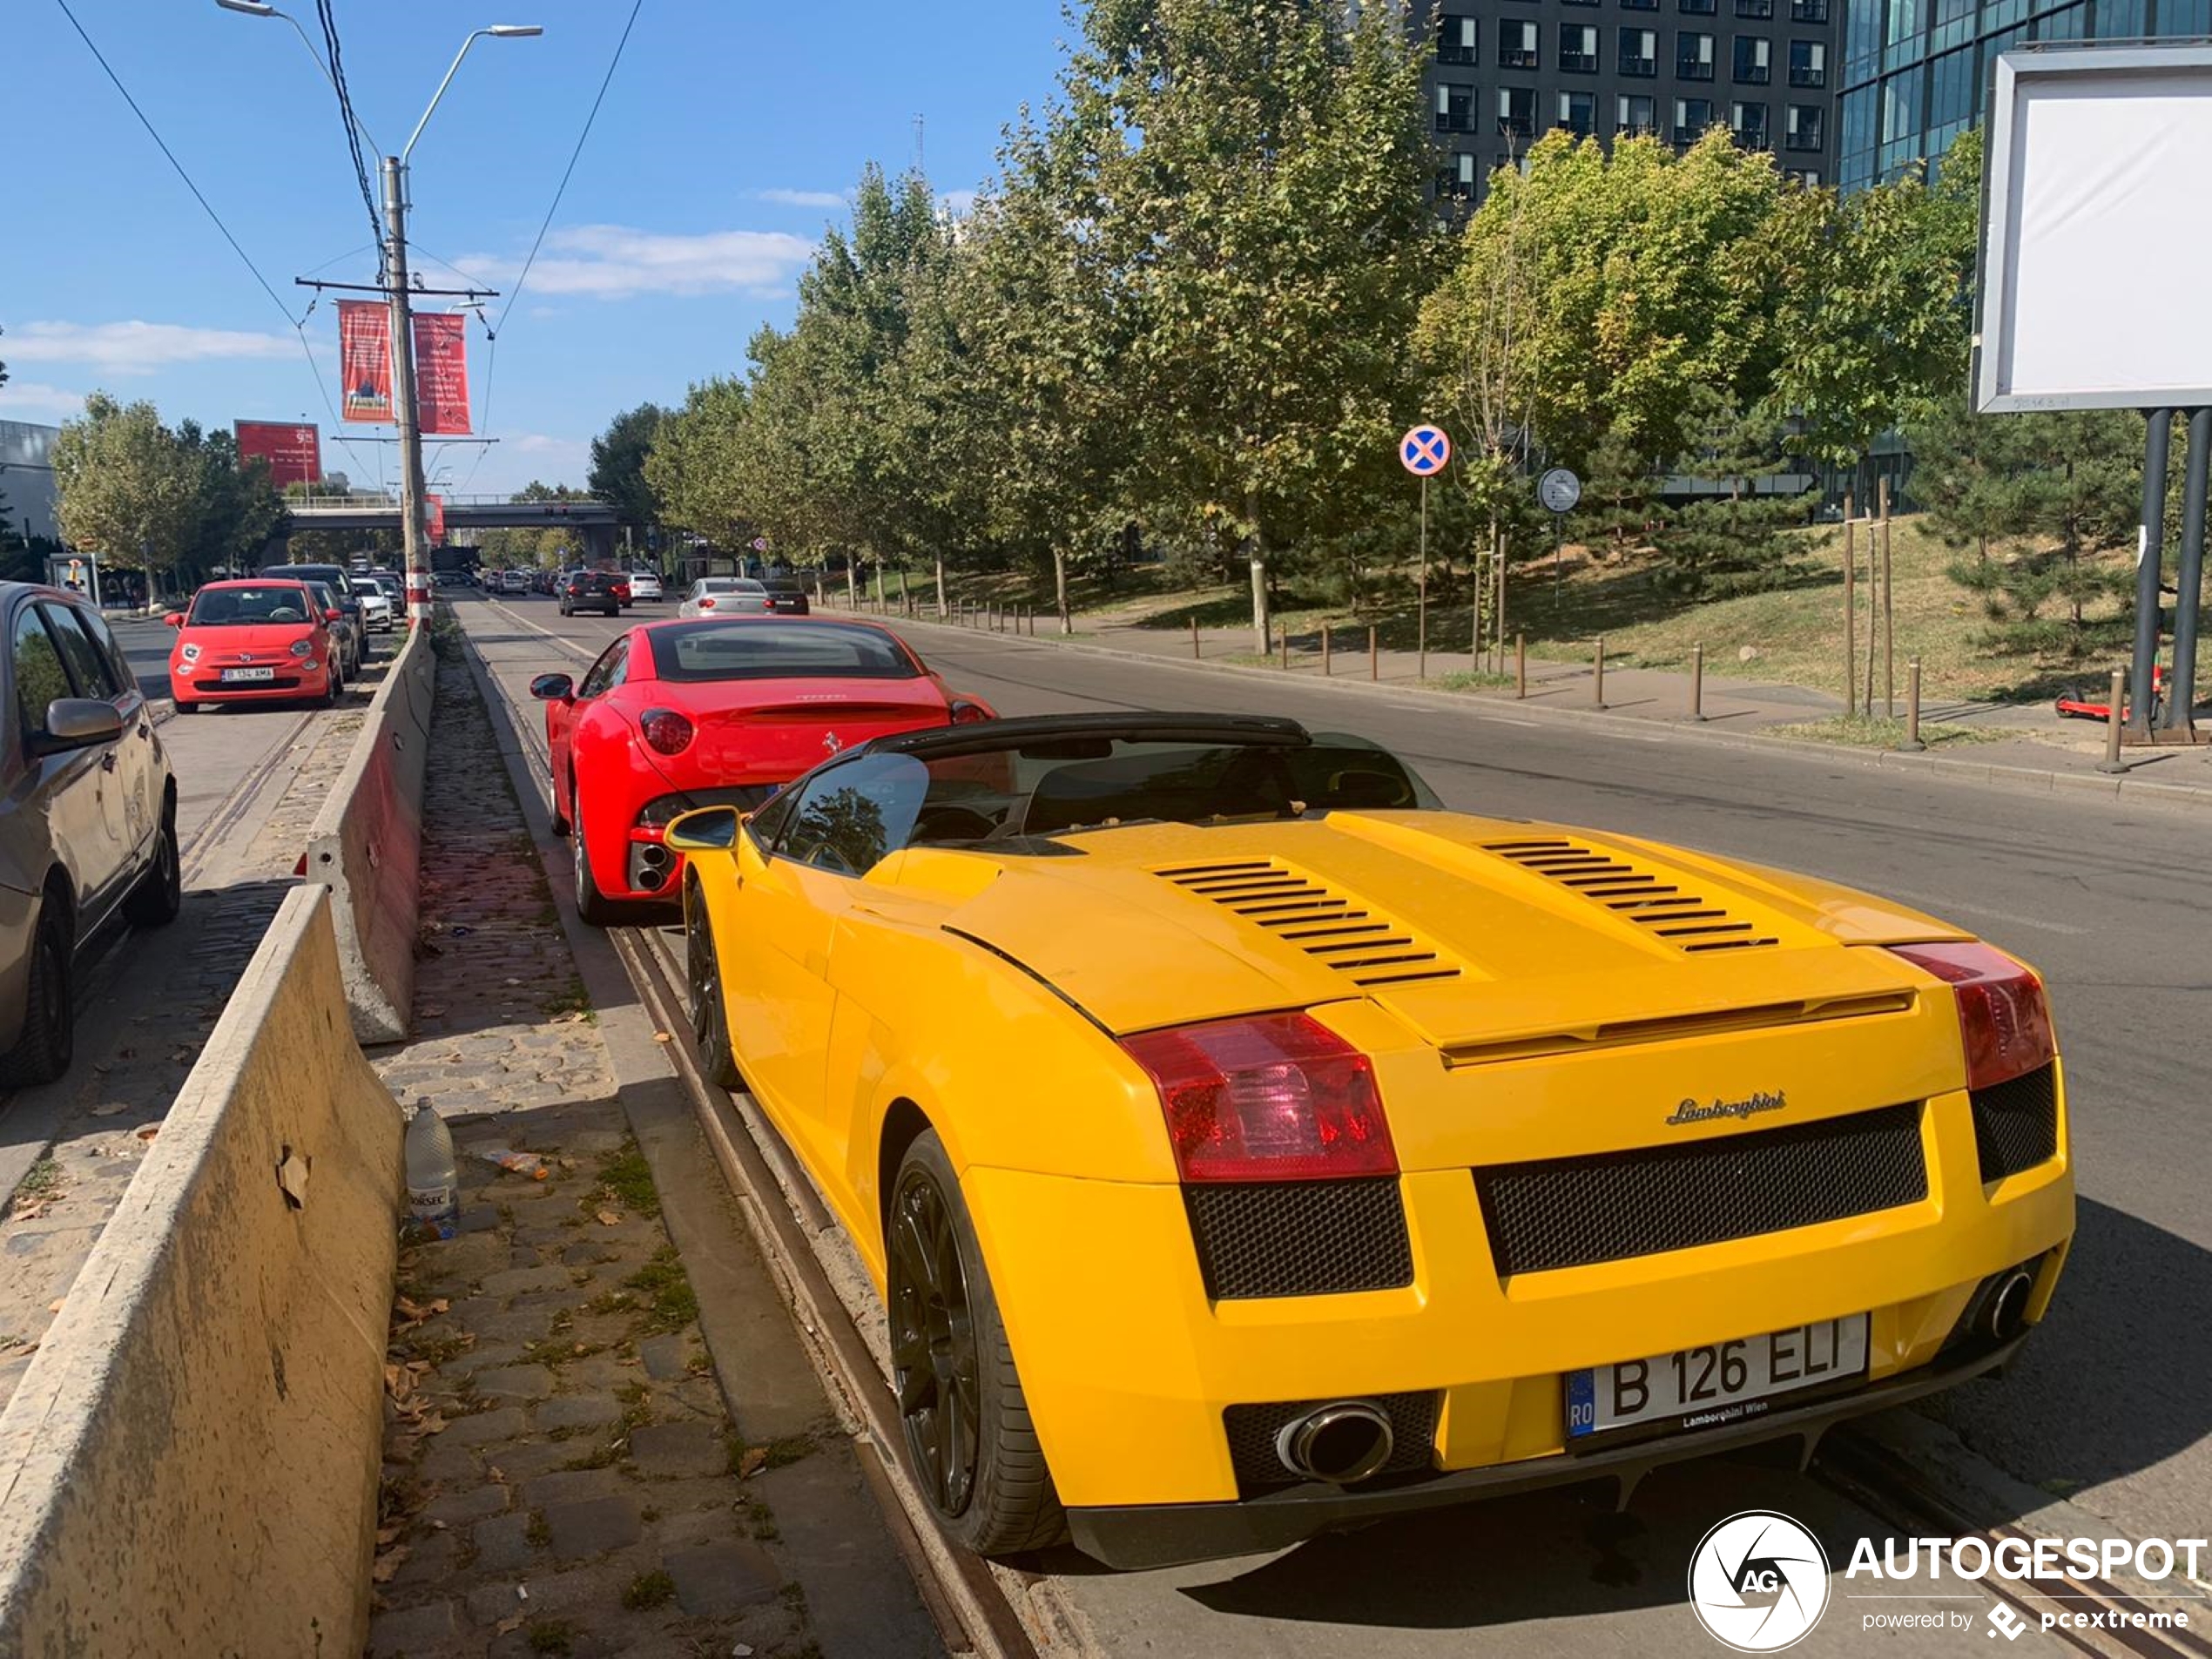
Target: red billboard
(436, 515)
(293, 448)
(365, 359)
(441, 372)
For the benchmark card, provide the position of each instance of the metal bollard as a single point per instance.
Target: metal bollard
(1194, 636)
(1597, 678)
(1521, 665)
(1284, 642)
(1697, 681)
(1325, 668)
(1912, 745)
(1374, 657)
(2112, 762)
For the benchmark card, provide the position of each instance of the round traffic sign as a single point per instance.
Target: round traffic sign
(1424, 450)
(1559, 489)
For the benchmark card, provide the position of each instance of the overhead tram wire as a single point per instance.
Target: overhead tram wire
(329, 19)
(298, 324)
(491, 358)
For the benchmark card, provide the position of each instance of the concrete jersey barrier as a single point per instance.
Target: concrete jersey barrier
(367, 844)
(190, 1465)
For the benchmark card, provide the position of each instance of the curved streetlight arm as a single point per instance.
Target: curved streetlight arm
(504, 32)
(253, 8)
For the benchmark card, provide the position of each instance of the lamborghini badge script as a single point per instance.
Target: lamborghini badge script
(1691, 1111)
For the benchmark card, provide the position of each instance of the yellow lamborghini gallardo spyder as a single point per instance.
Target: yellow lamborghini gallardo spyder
(1244, 1146)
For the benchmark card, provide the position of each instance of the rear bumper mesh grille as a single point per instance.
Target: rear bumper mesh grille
(2016, 1123)
(1300, 1238)
(1571, 1212)
(1252, 1431)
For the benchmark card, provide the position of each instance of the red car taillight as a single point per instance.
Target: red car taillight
(965, 712)
(666, 731)
(1280, 1097)
(706, 605)
(2003, 1017)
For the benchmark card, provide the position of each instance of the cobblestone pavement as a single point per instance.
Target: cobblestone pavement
(561, 1475)
(138, 1032)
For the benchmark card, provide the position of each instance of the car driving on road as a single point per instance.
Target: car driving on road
(1245, 1147)
(644, 585)
(256, 641)
(725, 596)
(590, 590)
(786, 597)
(88, 818)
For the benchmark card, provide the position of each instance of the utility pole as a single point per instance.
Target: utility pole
(418, 558)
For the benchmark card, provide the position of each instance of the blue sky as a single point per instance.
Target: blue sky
(731, 130)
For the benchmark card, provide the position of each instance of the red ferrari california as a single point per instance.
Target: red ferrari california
(260, 641)
(714, 711)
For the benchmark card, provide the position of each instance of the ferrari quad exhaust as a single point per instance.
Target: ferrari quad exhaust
(1340, 1443)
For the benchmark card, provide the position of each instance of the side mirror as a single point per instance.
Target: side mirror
(711, 829)
(333, 616)
(175, 619)
(553, 688)
(79, 723)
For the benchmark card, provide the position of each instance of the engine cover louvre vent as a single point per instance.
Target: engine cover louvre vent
(1368, 947)
(1692, 924)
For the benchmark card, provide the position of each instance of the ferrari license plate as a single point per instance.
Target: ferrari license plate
(239, 676)
(1724, 1383)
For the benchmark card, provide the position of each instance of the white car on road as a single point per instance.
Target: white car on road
(725, 596)
(376, 605)
(645, 584)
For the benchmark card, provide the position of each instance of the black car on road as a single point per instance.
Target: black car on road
(590, 590)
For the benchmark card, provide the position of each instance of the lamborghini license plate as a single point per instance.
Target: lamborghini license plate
(1724, 1383)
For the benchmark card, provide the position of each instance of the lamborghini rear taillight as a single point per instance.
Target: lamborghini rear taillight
(2003, 1018)
(666, 731)
(1280, 1097)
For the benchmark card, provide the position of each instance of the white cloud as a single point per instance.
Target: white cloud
(614, 261)
(36, 401)
(802, 197)
(541, 444)
(136, 348)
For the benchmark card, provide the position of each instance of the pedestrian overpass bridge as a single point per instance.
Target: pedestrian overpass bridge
(593, 521)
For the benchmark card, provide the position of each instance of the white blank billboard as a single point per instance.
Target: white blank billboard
(2097, 241)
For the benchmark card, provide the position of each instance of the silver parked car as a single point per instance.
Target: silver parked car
(725, 596)
(88, 817)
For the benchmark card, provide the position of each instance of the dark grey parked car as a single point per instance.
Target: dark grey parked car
(341, 582)
(88, 816)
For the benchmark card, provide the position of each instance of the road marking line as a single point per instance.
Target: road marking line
(1944, 902)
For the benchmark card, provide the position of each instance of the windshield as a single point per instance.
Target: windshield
(1027, 799)
(769, 649)
(248, 607)
(329, 575)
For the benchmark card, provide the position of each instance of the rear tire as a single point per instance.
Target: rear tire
(49, 1040)
(160, 892)
(590, 904)
(702, 976)
(968, 1428)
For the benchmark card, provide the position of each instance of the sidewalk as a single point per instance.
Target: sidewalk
(564, 1472)
(2029, 737)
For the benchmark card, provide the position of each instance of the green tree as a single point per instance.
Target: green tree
(618, 458)
(1733, 537)
(692, 468)
(239, 507)
(1251, 173)
(126, 488)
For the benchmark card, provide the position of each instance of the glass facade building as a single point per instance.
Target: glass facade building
(1914, 73)
(1502, 72)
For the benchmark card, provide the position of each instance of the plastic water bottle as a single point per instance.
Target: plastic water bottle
(433, 1188)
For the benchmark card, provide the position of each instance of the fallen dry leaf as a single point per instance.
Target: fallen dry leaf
(567, 1164)
(149, 1131)
(752, 1462)
(610, 1218)
(387, 1563)
(55, 1306)
(663, 1036)
(109, 1111)
(516, 1624)
(389, 1535)
(102, 1066)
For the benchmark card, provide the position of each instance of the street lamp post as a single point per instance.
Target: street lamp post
(395, 286)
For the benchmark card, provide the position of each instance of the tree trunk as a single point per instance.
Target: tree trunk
(1261, 632)
(942, 610)
(1060, 589)
(852, 585)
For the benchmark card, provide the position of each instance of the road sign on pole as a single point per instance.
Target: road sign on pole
(1424, 450)
(1559, 489)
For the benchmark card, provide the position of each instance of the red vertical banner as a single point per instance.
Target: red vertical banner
(441, 372)
(365, 359)
(435, 512)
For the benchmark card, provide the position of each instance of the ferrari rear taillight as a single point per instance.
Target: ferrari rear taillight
(965, 712)
(2003, 1018)
(1280, 1097)
(666, 731)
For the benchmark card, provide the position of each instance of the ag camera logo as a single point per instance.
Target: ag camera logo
(1758, 1581)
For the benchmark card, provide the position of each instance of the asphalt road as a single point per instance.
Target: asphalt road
(2110, 1403)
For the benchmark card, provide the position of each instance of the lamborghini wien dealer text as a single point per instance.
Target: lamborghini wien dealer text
(1245, 1147)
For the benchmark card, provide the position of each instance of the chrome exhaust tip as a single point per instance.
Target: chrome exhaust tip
(1341, 1443)
(2005, 1314)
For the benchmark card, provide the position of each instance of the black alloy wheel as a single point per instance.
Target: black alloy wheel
(702, 976)
(49, 1040)
(160, 892)
(965, 1419)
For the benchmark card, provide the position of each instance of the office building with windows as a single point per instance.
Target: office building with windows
(1914, 73)
(1506, 71)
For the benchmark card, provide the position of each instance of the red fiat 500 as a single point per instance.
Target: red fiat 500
(712, 712)
(253, 642)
